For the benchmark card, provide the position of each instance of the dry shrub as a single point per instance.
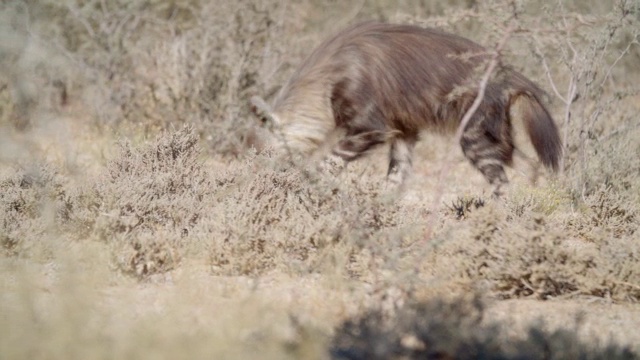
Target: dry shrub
(161, 184)
(269, 215)
(146, 202)
(605, 213)
(529, 257)
(31, 207)
(34, 75)
(549, 200)
(140, 64)
(158, 202)
(442, 329)
(202, 73)
(613, 164)
(143, 65)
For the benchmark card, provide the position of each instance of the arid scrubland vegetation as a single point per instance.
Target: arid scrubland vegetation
(136, 221)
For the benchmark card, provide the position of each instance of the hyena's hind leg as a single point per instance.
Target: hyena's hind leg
(488, 152)
(400, 161)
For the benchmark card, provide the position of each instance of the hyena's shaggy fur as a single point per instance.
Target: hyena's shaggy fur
(385, 83)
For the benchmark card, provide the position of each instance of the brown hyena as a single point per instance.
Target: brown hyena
(382, 83)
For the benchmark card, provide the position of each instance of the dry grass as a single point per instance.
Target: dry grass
(136, 221)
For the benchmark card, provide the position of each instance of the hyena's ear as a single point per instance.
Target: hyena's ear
(260, 108)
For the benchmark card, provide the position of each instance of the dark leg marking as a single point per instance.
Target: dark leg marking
(487, 154)
(354, 146)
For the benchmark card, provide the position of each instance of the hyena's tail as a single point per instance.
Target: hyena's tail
(540, 127)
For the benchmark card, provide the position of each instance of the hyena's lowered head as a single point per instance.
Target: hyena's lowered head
(383, 83)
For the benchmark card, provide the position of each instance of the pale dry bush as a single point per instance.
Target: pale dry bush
(31, 208)
(79, 47)
(270, 216)
(141, 65)
(524, 256)
(605, 213)
(157, 202)
(614, 163)
(144, 203)
(203, 71)
(34, 76)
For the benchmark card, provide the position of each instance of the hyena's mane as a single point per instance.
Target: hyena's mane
(302, 107)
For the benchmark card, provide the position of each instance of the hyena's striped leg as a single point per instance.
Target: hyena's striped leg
(400, 161)
(353, 146)
(487, 154)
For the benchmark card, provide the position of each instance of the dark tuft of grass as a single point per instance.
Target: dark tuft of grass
(443, 329)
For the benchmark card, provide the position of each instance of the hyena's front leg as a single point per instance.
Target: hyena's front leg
(487, 154)
(352, 147)
(400, 161)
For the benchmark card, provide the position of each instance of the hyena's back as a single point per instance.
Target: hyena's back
(386, 83)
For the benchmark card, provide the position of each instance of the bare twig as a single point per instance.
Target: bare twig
(81, 20)
(622, 54)
(571, 95)
(547, 70)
